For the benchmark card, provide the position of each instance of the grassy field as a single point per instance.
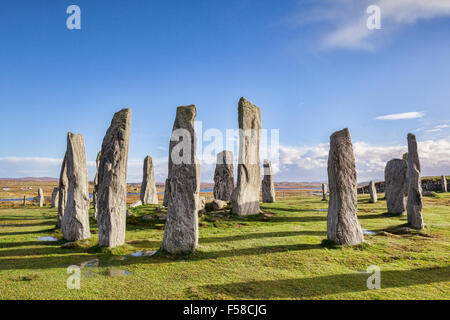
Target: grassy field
(276, 255)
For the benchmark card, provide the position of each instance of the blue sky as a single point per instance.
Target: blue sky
(311, 66)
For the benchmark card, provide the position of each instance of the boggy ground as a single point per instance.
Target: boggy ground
(278, 255)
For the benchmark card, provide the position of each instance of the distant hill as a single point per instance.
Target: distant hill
(41, 179)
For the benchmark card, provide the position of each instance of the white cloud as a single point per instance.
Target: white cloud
(402, 116)
(348, 19)
(308, 163)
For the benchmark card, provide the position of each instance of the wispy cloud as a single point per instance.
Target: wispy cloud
(402, 116)
(348, 19)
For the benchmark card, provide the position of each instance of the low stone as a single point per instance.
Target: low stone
(219, 204)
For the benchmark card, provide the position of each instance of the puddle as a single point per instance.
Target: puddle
(90, 264)
(119, 272)
(143, 253)
(369, 232)
(47, 239)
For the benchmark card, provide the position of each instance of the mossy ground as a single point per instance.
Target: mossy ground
(277, 255)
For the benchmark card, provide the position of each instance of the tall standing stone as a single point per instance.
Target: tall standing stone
(324, 192)
(63, 187)
(40, 197)
(444, 183)
(24, 200)
(148, 187)
(181, 230)
(414, 204)
(245, 197)
(373, 192)
(75, 222)
(95, 191)
(224, 176)
(112, 181)
(396, 185)
(166, 193)
(268, 188)
(55, 197)
(342, 222)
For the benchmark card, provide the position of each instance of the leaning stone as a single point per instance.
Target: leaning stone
(63, 187)
(136, 204)
(148, 187)
(218, 204)
(55, 197)
(268, 188)
(444, 183)
(40, 198)
(112, 181)
(75, 222)
(342, 222)
(396, 185)
(224, 176)
(414, 204)
(245, 197)
(181, 229)
(373, 192)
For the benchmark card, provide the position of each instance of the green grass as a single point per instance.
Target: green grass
(280, 255)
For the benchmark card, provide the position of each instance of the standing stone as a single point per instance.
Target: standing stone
(166, 193)
(181, 230)
(268, 189)
(342, 222)
(55, 197)
(148, 187)
(24, 200)
(224, 176)
(396, 185)
(75, 222)
(40, 197)
(63, 187)
(444, 183)
(414, 204)
(95, 192)
(112, 181)
(373, 192)
(324, 192)
(245, 197)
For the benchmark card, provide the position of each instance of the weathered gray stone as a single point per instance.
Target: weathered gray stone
(396, 185)
(40, 197)
(224, 176)
(63, 187)
(444, 183)
(55, 197)
(405, 156)
(342, 222)
(24, 200)
(414, 204)
(324, 192)
(201, 203)
(148, 187)
(166, 193)
(245, 197)
(268, 188)
(112, 181)
(181, 229)
(95, 192)
(373, 192)
(75, 222)
(218, 204)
